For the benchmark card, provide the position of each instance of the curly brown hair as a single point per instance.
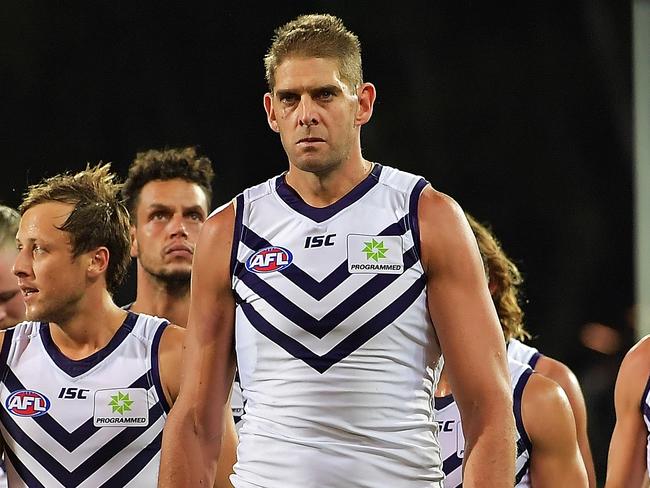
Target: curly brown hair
(97, 219)
(317, 36)
(504, 279)
(166, 164)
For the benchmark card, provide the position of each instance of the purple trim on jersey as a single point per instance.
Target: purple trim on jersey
(76, 368)
(450, 464)
(323, 326)
(25, 474)
(534, 358)
(4, 352)
(516, 406)
(348, 345)
(98, 459)
(155, 366)
(68, 440)
(135, 465)
(237, 234)
(413, 213)
(442, 402)
(645, 409)
(295, 201)
(316, 289)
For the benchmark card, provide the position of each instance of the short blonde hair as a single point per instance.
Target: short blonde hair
(316, 36)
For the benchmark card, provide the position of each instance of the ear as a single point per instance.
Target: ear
(366, 95)
(98, 263)
(270, 112)
(134, 242)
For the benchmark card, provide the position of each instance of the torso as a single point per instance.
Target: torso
(88, 423)
(333, 337)
(452, 440)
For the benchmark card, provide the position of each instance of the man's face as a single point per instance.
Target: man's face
(168, 217)
(12, 305)
(52, 281)
(314, 111)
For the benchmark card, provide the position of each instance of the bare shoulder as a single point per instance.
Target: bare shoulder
(558, 372)
(544, 395)
(443, 228)
(545, 407)
(172, 339)
(220, 221)
(635, 369)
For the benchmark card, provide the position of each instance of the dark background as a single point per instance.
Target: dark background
(522, 114)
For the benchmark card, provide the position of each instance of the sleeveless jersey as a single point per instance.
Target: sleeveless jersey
(645, 410)
(335, 346)
(95, 422)
(452, 440)
(523, 353)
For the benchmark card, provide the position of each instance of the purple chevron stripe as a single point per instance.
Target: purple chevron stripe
(24, 473)
(452, 463)
(316, 289)
(295, 201)
(88, 467)
(135, 465)
(321, 327)
(348, 345)
(69, 440)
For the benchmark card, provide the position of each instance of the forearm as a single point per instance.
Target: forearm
(490, 455)
(189, 456)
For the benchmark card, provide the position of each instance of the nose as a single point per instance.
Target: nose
(177, 224)
(22, 266)
(307, 112)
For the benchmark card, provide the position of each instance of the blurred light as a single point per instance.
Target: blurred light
(601, 338)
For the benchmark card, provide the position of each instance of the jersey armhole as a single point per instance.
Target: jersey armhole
(155, 367)
(414, 200)
(516, 406)
(645, 409)
(4, 352)
(532, 362)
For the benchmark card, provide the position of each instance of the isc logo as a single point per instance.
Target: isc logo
(27, 403)
(269, 259)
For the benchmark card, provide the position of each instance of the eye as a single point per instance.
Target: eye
(159, 215)
(325, 95)
(288, 98)
(196, 216)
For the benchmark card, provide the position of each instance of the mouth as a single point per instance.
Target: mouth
(179, 250)
(310, 140)
(28, 291)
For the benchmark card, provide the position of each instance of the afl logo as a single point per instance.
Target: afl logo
(269, 259)
(27, 403)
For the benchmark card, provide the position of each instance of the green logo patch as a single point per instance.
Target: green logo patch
(120, 403)
(375, 250)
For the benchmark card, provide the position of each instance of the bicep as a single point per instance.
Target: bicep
(208, 356)
(626, 463)
(459, 301)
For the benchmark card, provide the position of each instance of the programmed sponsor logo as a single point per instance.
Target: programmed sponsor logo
(27, 403)
(274, 258)
(375, 254)
(124, 407)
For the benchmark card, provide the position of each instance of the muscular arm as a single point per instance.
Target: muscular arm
(626, 464)
(556, 461)
(471, 340)
(564, 377)
(195, 428)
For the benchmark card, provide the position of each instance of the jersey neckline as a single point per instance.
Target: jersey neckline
(319, 214)
(77, 367)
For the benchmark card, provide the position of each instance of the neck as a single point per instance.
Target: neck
(325, 188)
(159, 300)
(90, 327)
